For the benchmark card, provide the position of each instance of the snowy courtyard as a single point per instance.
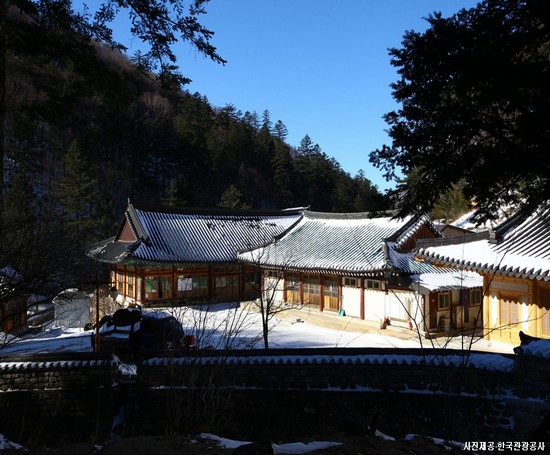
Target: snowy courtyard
(226, 326)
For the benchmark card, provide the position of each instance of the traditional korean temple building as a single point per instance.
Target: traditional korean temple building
(163, 255)
(363, 267)
(349, 263)
(514, 260)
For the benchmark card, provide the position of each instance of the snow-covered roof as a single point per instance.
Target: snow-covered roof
(165, 235)
(519, 247)
(343, 243)
(448, 281)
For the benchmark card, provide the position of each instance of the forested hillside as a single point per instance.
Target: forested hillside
(87, 128)
(149, 143)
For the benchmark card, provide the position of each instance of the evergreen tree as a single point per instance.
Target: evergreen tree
(264, 151)
(30, 247)
(76, 192)
(231, 199)
(475, 107)
(37, 28)
(251, 119)
(283, 175)
(20, 214)
(368, 198)
(105, 218)
(172, 197)
(451, 204)
(266, 120)
(280, 131)
(246, 185)
(307, 147)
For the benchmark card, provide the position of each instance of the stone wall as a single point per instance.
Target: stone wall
(56, 397)
(279, 394)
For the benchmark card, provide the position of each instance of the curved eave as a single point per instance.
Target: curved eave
(357, 272)
(136, 262)
(111, 251)
(486, 268)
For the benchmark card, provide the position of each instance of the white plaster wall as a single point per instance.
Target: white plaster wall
(351, 301)
(374, 305)
(401, 304)
(274, 287)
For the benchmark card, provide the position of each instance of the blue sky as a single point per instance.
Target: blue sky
(319, 66)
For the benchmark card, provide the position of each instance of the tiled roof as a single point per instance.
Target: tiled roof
(192, 236)
(519, 247)
(448, 281)
(342, 243)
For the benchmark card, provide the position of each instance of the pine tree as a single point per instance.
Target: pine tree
(231, 199)
(306, 147)
(172, 195)
(280, 130)
(19, 214)
(76, 192)
(105, 219)
(283, 175)
(266, 120)
(30, 246)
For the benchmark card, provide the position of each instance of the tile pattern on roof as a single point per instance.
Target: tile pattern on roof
(180, 237)
(337, 243)
(412, 227)
(522, 250)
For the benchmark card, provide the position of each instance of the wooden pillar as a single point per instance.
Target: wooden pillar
(210, 283)
(285, 294)
(340, 293)
(174, 285)
(242, 281)
(362, 298)
(487, 304)
(142, 286)
(125, 282)
(301, 286)
(321, 293)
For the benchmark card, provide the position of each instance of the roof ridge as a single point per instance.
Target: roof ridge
(346, 215)
(444, 241)
(213, 210)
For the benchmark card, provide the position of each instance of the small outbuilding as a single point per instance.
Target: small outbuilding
(72, 309)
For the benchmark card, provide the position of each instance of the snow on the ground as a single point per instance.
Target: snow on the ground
(466, 220)
(227, 326)
(6, 444)
(50, 340)
(289, 448)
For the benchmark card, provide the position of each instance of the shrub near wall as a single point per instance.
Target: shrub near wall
(45, 399)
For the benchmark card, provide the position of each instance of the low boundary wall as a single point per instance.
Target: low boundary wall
(278, 394)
